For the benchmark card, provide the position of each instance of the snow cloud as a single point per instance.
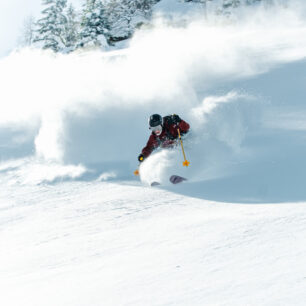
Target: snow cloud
(210, 103)
(93, 106)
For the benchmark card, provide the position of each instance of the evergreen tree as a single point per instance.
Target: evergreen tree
(70, 29)
(94, 27)
(125, 15)
(230, 3)
(51, 26)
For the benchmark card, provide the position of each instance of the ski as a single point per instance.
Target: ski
(176, 179)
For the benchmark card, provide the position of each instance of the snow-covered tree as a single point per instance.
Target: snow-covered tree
(94, 26)
(70, 29)
(51, 27)
(231, 3)
(125, 15)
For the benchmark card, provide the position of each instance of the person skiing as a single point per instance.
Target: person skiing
(164, 133)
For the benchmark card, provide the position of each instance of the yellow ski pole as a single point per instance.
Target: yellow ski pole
(136, 172)
(185, 162)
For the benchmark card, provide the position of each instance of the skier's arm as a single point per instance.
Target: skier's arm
(183, 126)
(152, 144)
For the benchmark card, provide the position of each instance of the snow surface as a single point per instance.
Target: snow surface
(116, 244)
(77, 228)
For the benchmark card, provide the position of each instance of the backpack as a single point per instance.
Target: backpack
(169, 120)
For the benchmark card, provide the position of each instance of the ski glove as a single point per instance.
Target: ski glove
(176, 119)
(141, 157)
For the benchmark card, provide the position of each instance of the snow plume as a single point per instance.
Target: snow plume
(48, 140)
(209, 104)
(229, 126)
(91, 108)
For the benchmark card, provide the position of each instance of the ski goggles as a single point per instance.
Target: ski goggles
(157, 129)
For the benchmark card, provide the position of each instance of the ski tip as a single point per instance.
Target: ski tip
(155, 184)
(176, 179)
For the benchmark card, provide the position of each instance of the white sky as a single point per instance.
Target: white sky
(12, 16)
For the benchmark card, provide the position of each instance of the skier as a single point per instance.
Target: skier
(164, 133)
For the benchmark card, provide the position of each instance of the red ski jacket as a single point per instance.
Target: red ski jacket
(168, 136)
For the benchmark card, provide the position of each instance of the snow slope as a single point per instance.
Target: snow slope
(77, 228)
(116, 244)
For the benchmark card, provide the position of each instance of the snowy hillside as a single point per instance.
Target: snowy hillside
(78, 228)
(117, 244)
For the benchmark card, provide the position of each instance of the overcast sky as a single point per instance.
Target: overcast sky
(12, 16)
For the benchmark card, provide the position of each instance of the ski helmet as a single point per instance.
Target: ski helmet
(155, 120)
